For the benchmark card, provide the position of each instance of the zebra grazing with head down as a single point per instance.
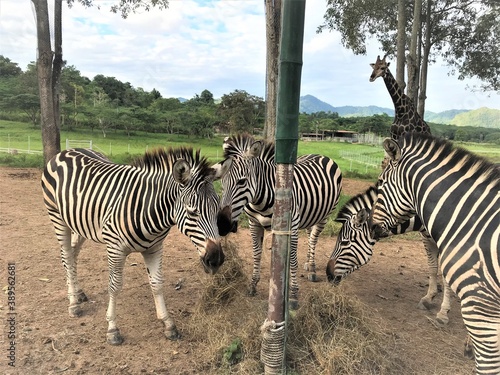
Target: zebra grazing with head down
(355, 242)
(131, 208)
(457, 196)
(248, 176)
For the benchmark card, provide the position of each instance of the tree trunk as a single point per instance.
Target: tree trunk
(58, 61)
(273, 28)
(401, 45)
(425, 63)
(50, 132)
(413, 62)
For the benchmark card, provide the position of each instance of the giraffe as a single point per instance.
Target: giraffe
(406, 118)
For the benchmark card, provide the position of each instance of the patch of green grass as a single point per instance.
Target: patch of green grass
(22, 160)
(486, 150)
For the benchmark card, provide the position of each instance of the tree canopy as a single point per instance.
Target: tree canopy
(464, 33)
(85, 105)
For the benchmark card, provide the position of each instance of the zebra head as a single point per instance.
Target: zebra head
(354, 246)
(237, 176)
(380, 68)
(196, 210)
(393, 205)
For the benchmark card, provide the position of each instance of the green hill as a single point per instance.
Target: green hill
(444, 117)
(310, 104)
(484, 117)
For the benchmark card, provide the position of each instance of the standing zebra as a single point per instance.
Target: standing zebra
(355, 242)
(131, 208)
(457, 196)
(248, 181)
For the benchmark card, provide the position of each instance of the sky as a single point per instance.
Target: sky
(218, 46)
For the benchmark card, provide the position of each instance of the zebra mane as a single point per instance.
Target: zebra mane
(238, 145)
(164, 159)
(357, 203)
(446, 147)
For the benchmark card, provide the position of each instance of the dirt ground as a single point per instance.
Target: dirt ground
(48, 341)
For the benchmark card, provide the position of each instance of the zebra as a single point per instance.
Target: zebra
(457, 196)
(355, 242)
(248, 181)
(131, 208)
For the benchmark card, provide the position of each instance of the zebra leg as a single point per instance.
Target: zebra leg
(442, 315)
(76, 244)
(432, 262)
(313, 236)
(69, 258)
(153, 260)
(468, 348)
(257, 232)
(484, 333)
(116, 262)
(294, 265)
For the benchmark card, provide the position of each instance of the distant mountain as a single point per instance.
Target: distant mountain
(444, 117)
(311, 104)
(182, 100)
(484, 117)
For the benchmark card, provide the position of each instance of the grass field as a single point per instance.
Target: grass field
(120, 148)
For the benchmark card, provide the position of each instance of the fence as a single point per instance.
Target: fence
(370, 138)
(71, 143)
(18, 150)
(367, 160)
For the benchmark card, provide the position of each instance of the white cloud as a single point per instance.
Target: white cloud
(214, 45)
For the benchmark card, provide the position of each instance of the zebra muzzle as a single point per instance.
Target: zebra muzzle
(330, 273)
(213, 258)
(379, 231)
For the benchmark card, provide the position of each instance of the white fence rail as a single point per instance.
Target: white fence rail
(367, 160)
(15, 151)
(78, 144)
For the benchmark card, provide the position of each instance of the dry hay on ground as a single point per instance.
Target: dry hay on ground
(331, 332)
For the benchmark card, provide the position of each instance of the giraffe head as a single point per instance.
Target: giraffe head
(380, 68)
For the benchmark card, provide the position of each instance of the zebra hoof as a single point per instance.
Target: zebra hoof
(424, 305)
(81, 297)
(293, 304)
(312, 277)
(442, 319)
(468, 351)
(172, 334)
(113, 337)
(252, 291)
(75, 311)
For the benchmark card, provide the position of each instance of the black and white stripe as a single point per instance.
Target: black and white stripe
(248, 181)
(457, 196)
(131, 208)
(355, 242)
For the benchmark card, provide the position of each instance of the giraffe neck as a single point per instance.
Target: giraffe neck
(395, 91)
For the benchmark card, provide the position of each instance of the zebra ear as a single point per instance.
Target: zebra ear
(362, 217)
(392, 149)
(222, 167)
(182, 172)
(254, 149)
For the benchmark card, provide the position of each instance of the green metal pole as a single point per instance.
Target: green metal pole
(273, 351)
(290, 71)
